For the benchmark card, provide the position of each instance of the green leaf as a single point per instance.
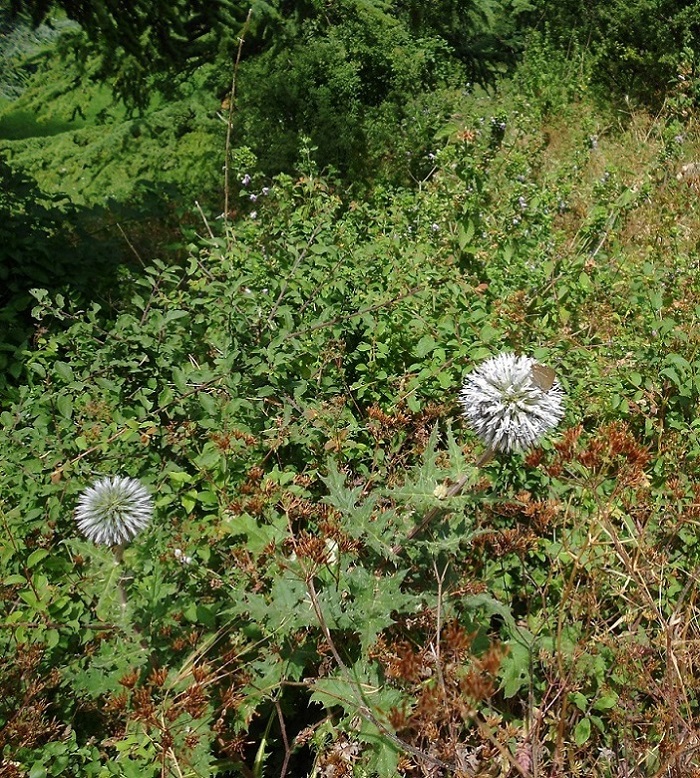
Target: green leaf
(189, 500)
(672, 375)
(14, 580)
(385, 759)
(36, 557)
(64, 371)
(179, 477)
(259, 535)
(515, 669)
(334, 692)
(465, 234)
(200, 614)
(606, 701)
(425, 345)
(375, 598)
(582, 731)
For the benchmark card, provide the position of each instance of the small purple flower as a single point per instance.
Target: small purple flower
(265, 191)
(435, 227)
(253, 214)
(253, 197)
(245, 180)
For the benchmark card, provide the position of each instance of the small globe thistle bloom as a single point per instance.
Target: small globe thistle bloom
(181, 557)
(509, 405)
(113, 511)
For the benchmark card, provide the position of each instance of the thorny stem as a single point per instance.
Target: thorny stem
(440, 577)
(119, 558)
(453, 491)
(285, 739)
(362, 708)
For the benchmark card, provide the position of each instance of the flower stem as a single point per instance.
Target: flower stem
(121, 588)
(453, 491)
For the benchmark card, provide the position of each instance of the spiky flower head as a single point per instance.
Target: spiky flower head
(511, 401)
(113, 510)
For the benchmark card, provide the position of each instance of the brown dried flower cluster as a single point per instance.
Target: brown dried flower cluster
(612, 451)
(448, 687)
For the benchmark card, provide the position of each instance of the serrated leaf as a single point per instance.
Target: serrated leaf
(259, 536)
(374, 599)
(334, 692)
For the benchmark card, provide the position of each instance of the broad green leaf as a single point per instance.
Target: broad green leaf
(582, 731)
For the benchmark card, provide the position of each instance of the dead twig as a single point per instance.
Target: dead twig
(229, 123)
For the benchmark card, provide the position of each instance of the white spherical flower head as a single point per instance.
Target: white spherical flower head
(509, 405)
(113, 511)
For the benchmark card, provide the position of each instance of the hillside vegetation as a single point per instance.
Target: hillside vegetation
(264, 309)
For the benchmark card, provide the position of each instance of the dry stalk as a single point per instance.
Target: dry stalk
(229, 123)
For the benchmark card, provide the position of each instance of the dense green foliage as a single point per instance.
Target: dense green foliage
(640, 48)
(283, 379)
(146, 46)
(142, 40)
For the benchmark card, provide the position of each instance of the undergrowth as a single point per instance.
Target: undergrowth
(288, 395)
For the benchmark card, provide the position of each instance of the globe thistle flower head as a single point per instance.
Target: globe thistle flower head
(510, 405)
(113, 511)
